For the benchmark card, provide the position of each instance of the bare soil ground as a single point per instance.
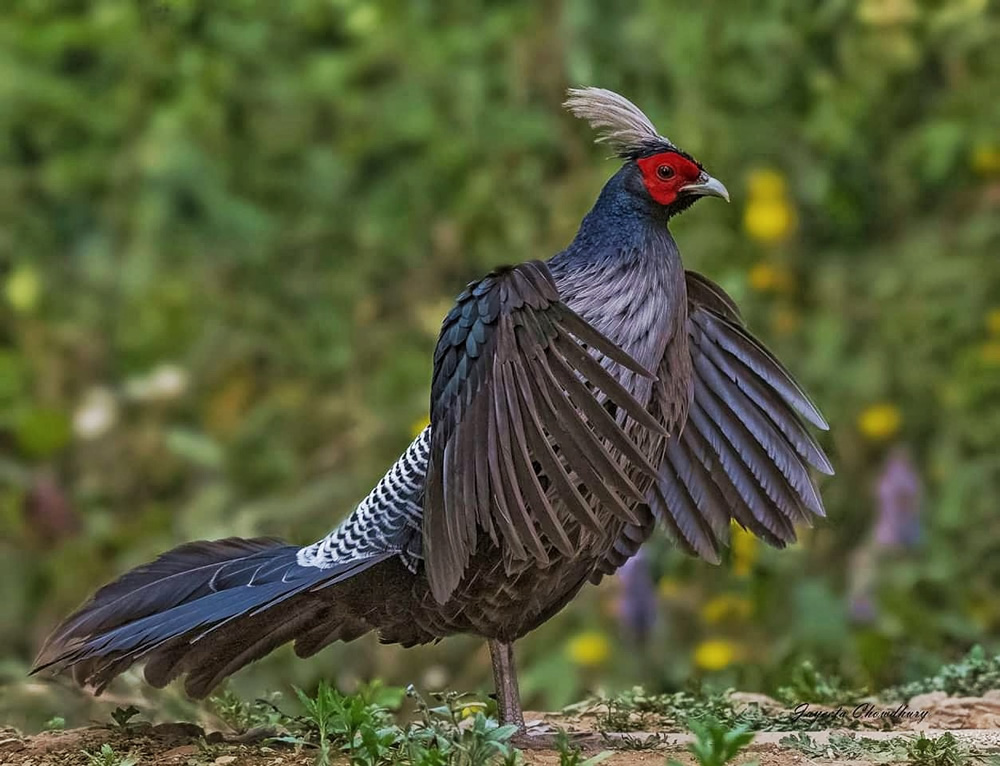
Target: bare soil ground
(974, 721)
(167, 745)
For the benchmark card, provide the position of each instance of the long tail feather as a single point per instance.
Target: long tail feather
(205, 608)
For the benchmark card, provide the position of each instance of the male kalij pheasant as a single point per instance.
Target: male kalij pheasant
(574, 404)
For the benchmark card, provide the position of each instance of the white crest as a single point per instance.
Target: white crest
(618, 122)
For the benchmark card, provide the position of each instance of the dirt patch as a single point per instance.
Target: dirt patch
(159, 748)
(163, 745)
(974, 721)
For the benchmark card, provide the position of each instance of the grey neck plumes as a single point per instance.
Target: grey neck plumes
(623, 274)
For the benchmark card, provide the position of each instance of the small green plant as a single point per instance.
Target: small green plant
(636, 709)
(845, 747)
(56, 723)
(972, 676)
(484, 741)
(232, 710)
(803, 743)
(121, 716)
(939, 751)
(375, 746)
(637, 743)
(107, 756)
(241, 716)
(715, 743)
(209, 751)
(571, 755)
(945, 750)
(377, 693)
(810, 685)
(446, 733)
(620, 716)
(336, 718)
(453, 732)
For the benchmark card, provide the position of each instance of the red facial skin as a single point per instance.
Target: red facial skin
(665, 190)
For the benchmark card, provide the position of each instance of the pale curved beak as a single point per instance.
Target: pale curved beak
(707, 186)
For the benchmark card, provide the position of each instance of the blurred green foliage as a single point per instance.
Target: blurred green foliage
(229, 230)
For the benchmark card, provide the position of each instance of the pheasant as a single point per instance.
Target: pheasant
(575, 403)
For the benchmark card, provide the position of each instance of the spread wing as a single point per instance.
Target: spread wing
(744, 451)
(523, 418)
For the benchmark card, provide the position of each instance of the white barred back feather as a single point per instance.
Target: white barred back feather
(388, 519)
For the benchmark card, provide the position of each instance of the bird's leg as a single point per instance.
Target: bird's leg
(505, 680)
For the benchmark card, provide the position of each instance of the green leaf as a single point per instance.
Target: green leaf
(196, 447)
(42, 432)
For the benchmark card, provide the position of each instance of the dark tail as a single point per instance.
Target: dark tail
(205, 609)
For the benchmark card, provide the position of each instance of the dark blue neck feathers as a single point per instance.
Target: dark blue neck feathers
(623, 223)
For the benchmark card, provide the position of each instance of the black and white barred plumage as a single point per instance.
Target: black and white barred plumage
(387, 520)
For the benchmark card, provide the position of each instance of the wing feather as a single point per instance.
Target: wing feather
(735, 340)
(744, 451)
(521, 437)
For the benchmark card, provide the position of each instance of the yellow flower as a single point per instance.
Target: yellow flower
(468, 711)
(668, 588)
(716, 654)
(769, 216)
(589, 649)
(764, 183)
(985, 159)
(881, 13)
(745, 549)
(769, 220)
(880, 421)
(726, 606)
(785, 321)
(989, 352)
(761, 277)
(23, 289)
(767, 277)
(993, 321)
(419, 425)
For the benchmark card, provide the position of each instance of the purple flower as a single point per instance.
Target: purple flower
(899, 494)
(861, 609)
(48, 512)
(637, 608)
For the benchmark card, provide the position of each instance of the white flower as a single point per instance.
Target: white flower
(435, 677)
(164, 382)
(96, 414)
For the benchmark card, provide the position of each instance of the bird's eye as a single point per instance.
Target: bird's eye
(663, 172)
